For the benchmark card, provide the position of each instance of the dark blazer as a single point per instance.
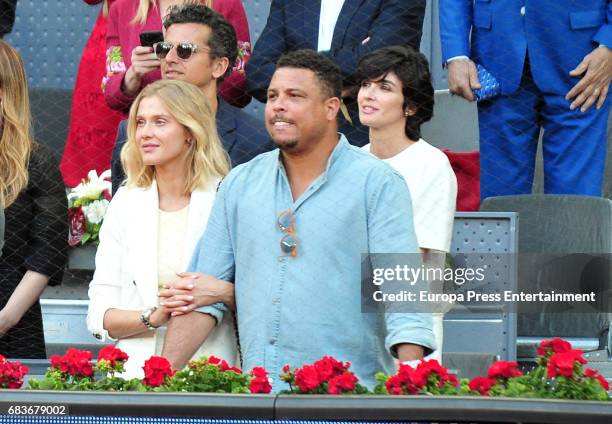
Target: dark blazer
(243, 137)
(36, 240)
(1, 229)
(294, 24)
(7, 16)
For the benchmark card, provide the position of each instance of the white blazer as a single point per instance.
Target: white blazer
(126, 271)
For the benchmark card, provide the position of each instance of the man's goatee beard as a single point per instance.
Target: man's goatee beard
(287, 145)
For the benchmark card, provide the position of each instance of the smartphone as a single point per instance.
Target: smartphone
(147, 39)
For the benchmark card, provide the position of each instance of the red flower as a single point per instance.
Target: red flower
(156, 369)
(431, 372)
(11, 374)
(481, 385)
(221, 363)
(394, 385)
(112, 355)
(213, 360)
(342, 383)
(58, 363)
(287, 375)
(449, 378)
(504, 369)
(406, 381)
(590, 373)
(260, 382)
(307, 378)
(412, 381)
(563, 363)
(106, 194)
(77, 228)
(74, 362)
(329, 367)
(555, 345)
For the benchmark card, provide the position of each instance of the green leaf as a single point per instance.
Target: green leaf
(85, 238)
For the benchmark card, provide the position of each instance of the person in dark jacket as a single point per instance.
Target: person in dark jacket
(199, 46)
(344, 31)
(7, 16)
(33, 196)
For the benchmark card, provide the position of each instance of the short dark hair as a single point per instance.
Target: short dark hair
(412, 68)
(222, 42)
(327, 72)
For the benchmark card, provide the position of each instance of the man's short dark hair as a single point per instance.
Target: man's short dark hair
(222, 42)
(327, 72)
(412, 68)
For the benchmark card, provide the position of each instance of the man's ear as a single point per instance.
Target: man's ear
(219, 67)
(332, 106)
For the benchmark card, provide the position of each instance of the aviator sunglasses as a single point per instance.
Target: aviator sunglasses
(286, 223)
(183, 50)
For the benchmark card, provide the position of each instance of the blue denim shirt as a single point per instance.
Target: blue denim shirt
(294, 310)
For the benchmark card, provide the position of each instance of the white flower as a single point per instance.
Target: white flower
(92, 187)
(95, 211)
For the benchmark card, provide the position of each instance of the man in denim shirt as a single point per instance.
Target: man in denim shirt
(325, 202)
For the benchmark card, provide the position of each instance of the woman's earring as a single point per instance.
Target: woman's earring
(406, 114)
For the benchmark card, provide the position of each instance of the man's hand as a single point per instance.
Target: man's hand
(463, 78)
(193, 290)
(143, 62)
(593, 86)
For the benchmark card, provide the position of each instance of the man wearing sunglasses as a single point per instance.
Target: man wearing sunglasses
(199, 46)
(289, 228)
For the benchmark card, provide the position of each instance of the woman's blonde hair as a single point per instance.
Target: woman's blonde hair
(144, 5)
(206, 160)
(15, 130)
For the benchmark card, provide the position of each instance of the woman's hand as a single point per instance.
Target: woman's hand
(143, 62)
(193, 290)
(24, 296)
(159, 317)
(7, 321)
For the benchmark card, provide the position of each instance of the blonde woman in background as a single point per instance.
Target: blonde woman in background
(130, 66)
(34, 202)
(174, 161)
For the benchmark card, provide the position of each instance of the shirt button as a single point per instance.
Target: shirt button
(97, 336)
(523, 11)
(281, 259)
(273, 342)
(276, 301)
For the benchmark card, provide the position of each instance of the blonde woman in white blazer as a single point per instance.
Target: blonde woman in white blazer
(174, 161)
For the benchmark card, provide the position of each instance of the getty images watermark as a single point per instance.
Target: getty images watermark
(476, 282)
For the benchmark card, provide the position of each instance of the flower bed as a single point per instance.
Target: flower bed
(559, 374)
